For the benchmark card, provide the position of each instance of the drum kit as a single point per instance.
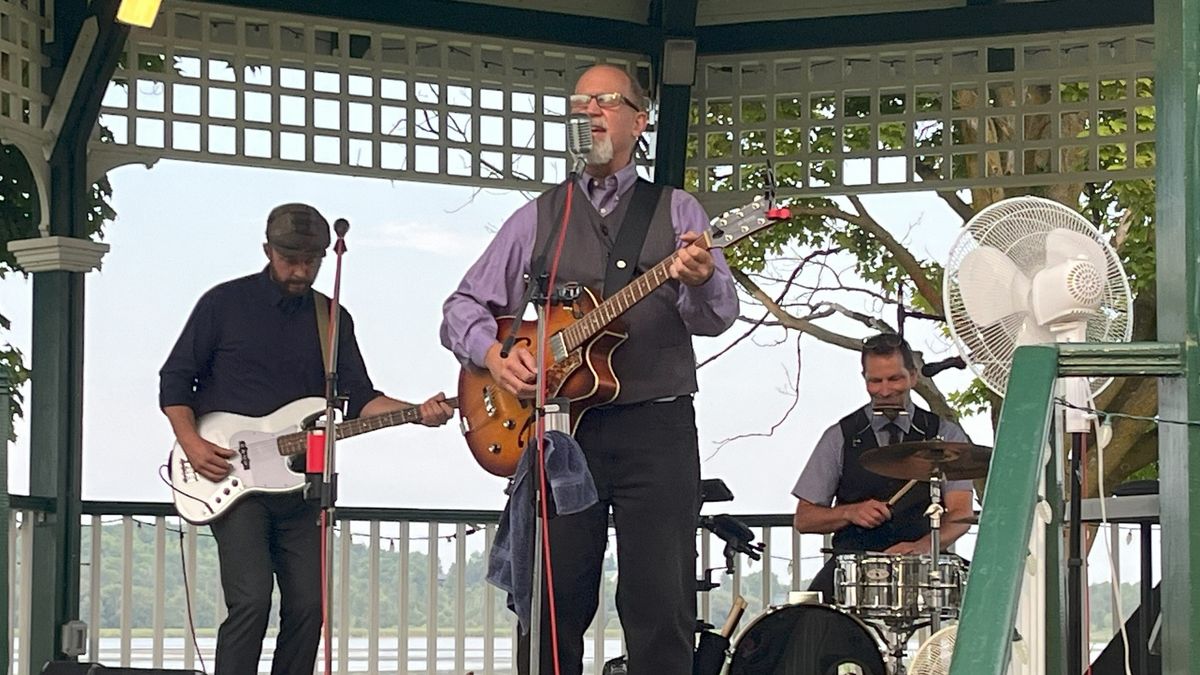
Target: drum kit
(880, 600)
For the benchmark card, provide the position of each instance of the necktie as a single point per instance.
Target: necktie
(894, 434)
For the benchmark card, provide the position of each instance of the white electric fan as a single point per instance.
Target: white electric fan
(1028, 270)
(933, 656)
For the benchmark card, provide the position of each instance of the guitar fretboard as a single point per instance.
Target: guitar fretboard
(296, 443)
(582, 330)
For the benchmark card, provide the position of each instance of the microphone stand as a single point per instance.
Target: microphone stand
(553, 415)
(321, 477)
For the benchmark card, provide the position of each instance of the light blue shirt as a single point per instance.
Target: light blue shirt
(819, 481)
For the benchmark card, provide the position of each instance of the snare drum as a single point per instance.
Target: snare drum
(869, 584)
(897, 587)
(920, 592)
(807, 640)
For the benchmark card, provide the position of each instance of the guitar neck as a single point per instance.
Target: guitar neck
(584, 329)
(296, 443)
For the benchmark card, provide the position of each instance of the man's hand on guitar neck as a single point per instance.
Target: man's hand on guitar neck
(435, 411)
(516, 373)
(693, 265)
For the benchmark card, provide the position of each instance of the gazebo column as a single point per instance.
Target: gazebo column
(675, 70)
(1177, 62)
(58, 261)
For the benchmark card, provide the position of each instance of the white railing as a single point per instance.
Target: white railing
(132, 590)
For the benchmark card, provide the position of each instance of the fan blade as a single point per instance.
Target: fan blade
(1063, 244)
(992, 286)
(934, 655)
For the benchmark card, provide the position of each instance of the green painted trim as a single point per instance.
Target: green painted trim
(55, 453)
(990, 604)
(1121, 359)
(1177, 72)
(473, 18)
(1002, 18)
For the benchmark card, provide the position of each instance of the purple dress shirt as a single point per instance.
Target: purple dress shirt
(495, 284)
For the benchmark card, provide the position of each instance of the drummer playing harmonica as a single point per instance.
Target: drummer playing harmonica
(863, 510)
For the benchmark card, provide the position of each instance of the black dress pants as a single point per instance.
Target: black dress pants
(645, 461)
(261, 537)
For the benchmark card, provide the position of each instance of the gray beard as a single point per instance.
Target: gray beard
(601, 152)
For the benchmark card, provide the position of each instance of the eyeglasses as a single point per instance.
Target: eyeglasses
(883, 341)
(607, 100)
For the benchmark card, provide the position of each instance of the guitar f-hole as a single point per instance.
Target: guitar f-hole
(525, 432)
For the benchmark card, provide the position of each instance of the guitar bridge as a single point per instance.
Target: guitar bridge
(558, 347)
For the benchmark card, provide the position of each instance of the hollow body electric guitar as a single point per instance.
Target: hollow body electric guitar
(264, 447)
(578, 358)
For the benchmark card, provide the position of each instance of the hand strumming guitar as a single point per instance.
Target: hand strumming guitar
(516, 373)
(207, 459)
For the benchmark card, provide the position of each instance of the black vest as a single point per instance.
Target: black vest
(909, 521)
(657, 360)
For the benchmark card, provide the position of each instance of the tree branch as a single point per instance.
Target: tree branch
(787, 320)
(951, 197)
(904, 258)
(925, 386)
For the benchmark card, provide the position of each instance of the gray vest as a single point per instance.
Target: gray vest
(657, 360)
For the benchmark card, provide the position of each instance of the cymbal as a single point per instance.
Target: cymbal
(919, 460)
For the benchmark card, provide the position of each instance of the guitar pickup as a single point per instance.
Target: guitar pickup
(558, 348)
(489, 406)
(245, 453)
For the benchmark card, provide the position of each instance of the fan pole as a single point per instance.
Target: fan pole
(1075, 646)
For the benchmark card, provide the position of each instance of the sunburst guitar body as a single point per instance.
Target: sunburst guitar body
(498, 426)
(577, 357)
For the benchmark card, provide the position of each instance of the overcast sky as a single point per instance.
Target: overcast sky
(184, 227)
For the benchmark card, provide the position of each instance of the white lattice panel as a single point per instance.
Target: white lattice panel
(264, 89)
(22, 31)
(1024, 110)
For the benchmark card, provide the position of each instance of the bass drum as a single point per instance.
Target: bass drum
(807, 640)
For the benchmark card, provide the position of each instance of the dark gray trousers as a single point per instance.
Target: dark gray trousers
(645, 461)
(263, 538)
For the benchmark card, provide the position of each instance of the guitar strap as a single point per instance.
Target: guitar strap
(321, 303)
(627, 249)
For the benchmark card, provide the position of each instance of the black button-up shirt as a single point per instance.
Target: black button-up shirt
(248, 348)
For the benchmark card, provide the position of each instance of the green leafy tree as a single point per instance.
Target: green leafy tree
(798, 271)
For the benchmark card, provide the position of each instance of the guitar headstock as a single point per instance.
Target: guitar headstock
(736, 224)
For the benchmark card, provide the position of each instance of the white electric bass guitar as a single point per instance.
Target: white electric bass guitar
(264, 447)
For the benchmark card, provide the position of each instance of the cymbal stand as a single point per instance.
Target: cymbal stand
(935, 512)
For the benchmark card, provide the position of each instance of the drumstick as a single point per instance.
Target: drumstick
(901, 492)
(735, 616)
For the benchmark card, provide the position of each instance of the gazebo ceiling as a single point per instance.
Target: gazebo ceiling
(722, 26)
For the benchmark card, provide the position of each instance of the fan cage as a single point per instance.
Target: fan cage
(1018, 228)
(933, 656)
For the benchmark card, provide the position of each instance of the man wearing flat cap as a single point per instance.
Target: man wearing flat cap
(251, 346)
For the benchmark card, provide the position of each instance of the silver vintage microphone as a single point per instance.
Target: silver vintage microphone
(579, 139)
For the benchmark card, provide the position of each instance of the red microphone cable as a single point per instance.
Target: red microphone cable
(541, 436)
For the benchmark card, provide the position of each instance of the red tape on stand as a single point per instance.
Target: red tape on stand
(315, 460)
